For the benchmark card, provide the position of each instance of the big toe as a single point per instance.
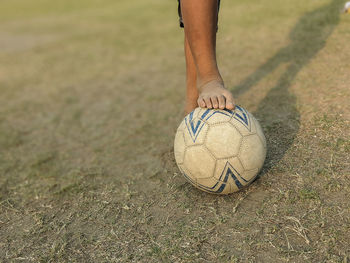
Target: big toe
(230, 105)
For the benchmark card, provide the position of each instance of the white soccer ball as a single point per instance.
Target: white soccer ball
(220, 151)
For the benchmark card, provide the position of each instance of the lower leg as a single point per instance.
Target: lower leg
(191, 80)
(200, 20)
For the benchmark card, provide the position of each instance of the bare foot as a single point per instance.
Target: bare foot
(214, 95)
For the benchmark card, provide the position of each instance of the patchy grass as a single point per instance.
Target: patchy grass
(91, 95)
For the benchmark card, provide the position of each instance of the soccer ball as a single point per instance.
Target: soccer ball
(220, 151)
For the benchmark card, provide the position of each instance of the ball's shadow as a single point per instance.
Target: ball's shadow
(277, 112)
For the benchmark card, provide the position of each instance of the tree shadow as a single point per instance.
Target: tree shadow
(277, 111)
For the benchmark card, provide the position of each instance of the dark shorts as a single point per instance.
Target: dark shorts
(180, 15)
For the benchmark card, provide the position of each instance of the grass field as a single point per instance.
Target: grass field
(91, 95)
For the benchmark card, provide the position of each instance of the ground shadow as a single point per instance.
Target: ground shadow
(277, 111)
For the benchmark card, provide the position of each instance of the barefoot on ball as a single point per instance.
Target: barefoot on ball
(214, 95)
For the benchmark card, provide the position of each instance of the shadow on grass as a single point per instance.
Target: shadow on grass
(277, 111)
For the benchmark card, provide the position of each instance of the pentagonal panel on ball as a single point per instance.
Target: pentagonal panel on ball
(199, 162)
(210, 185)
(249, 175)
(195, 131)
(229, 171)
(217, 116)
(252, 153)
(243, 121)
(223, 140)
(213, 186)
(186, 173)
(196, 113)
(179, 147)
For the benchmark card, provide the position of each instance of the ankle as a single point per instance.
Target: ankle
(214, 80)
(207, 76)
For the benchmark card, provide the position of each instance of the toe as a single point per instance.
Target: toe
(214, 102)
(222, 102)
(208, 102)
(230, 104)
(201, 103)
